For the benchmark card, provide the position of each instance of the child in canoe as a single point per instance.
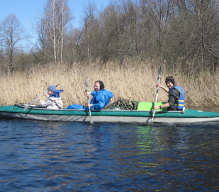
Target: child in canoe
(53, 101)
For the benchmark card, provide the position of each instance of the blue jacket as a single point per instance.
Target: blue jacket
(101, 98)
(179, 104)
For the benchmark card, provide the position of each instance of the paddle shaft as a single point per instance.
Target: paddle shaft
(88, 101)
(25, 108)
(159, 77)
(37, 99)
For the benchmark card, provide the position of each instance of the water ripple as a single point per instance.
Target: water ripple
(46, 156)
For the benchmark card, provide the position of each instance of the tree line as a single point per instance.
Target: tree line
(184, 33)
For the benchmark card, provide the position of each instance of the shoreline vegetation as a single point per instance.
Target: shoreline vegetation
(133, 79)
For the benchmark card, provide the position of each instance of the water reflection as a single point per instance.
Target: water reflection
(44, 156)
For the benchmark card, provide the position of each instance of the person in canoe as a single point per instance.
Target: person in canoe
(101, 98)
(53, 101)
(176, 95)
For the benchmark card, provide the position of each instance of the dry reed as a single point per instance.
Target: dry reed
(135, 80)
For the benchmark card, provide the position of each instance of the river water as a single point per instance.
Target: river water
(69, 156)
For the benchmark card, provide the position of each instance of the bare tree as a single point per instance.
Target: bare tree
(89, 24)
(192, 34)
(52, 27)
(111, 29)
(181, 31)
(11, 34)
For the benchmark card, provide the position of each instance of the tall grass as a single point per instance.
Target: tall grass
(133, 79)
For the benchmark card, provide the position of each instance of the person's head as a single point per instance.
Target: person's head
(51, 89)
(170, 82)
(98, 85)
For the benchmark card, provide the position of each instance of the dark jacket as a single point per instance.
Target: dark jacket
(173, 97)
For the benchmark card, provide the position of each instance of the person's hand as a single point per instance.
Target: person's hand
(88, 93)
(156, 107)
(90, 105)
(159, 85)
(46, 94)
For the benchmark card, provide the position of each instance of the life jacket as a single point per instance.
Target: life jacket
(179, 104)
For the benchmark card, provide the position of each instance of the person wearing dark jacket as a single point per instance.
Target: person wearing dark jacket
(176, 95)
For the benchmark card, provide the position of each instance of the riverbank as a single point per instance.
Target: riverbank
(133, 80)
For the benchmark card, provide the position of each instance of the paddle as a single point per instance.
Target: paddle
(25, 108)
(87, 85)
(159, 76)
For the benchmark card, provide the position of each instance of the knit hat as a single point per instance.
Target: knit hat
(51, 88)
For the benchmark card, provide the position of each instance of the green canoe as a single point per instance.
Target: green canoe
(105, 115)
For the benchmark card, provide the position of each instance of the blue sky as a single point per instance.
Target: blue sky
(27, 10)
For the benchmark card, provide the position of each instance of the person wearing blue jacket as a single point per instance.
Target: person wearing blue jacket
(101, 98)
(176, 95)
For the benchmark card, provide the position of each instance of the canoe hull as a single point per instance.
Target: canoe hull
(119, 119)
(122, 116)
